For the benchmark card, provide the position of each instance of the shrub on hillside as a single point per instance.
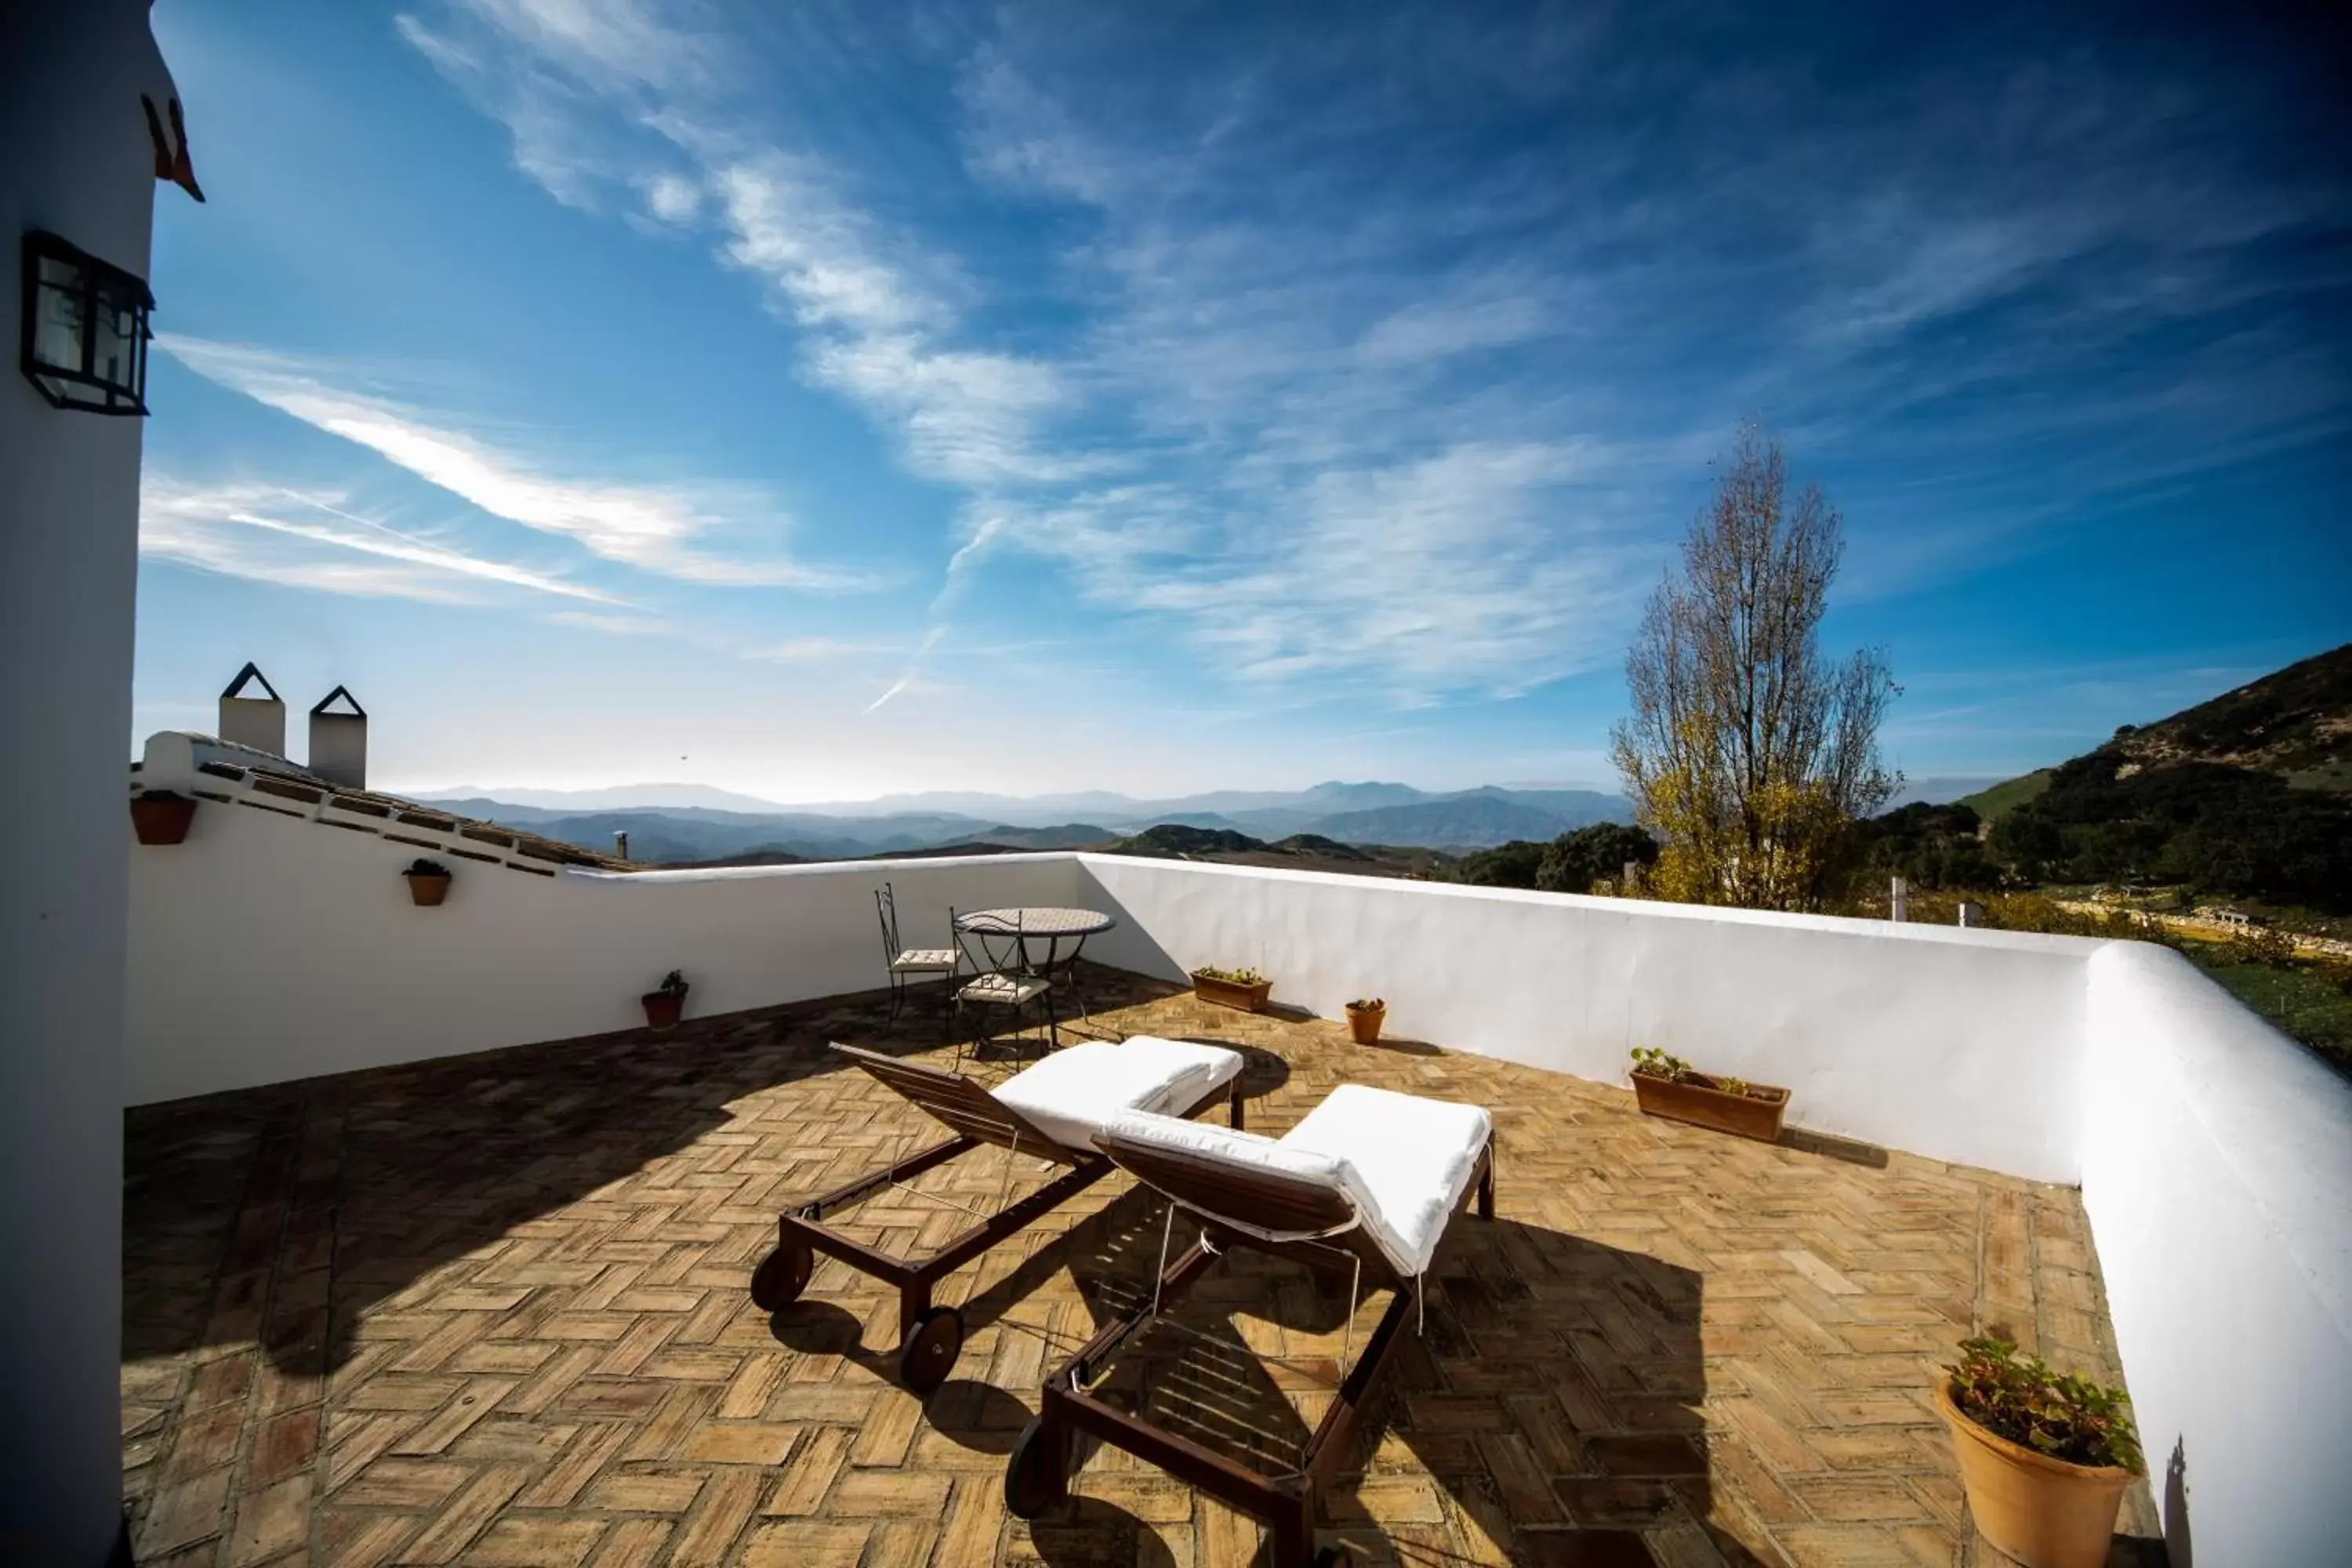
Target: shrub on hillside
(1574, 861)
(2229, 830)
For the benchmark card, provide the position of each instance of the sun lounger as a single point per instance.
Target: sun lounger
(1365, 1186)
(1051, 1110)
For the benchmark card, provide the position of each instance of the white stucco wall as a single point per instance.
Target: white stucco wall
(267, 948)
(1962, 1045)
(2217, 1172)
(2215, 1155)
(75, 160)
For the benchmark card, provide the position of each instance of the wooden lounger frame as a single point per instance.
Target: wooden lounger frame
(930, 1336)
(1287, 1217)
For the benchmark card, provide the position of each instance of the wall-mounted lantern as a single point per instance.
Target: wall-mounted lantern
(85, 328)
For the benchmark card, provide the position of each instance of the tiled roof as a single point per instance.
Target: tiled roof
(212, 769)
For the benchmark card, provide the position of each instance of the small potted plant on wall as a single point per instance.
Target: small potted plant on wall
(1242, 988)
(1365, 1015)
(160, 817)
(2045, 1456)
(428, 882)
(1669, 1086)
(666, 1003)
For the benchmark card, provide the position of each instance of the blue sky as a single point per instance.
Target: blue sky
(839, 399)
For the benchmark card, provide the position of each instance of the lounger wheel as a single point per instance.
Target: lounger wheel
(782, 1275)
(1034, 1478)
(929, 1353)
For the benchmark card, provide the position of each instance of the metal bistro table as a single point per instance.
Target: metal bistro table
(1050, 926)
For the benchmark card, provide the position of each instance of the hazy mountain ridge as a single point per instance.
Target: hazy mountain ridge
(1363, 813)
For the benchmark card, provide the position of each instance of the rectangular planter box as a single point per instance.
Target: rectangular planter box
(1697, 1101)
(1232, 992)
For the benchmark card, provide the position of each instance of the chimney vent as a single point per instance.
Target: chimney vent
(256, 721)
(339, 740)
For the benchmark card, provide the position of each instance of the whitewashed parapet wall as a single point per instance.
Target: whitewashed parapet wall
(1962, 1045)
(267, 948)
(2215, 1156)
(2217, 1172)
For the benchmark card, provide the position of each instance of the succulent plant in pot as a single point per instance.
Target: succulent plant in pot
(666, 1003)
(1669, 1086)
(1365, 1015)
(428, 881)
(2045, 1455)
(1242, 988)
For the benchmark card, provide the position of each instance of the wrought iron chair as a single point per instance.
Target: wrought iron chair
(904, 961)
(1001, 983)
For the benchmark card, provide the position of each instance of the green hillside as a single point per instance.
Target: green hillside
(1992, 804)
(2242, 796)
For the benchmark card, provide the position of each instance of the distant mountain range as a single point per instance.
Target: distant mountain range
(689, 823)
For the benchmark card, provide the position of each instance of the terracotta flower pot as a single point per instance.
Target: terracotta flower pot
(159, 816)
(663, 1009)
(1364, 1023)
(2045, 1512)
(1699, 1101)
(1249, 998)
(427, 889)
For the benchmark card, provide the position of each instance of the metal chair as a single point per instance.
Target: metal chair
(907, 961)
(1001, 983)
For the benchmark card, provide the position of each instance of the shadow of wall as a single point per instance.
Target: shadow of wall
(281, 1215)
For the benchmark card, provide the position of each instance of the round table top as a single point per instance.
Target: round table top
(1034, 922)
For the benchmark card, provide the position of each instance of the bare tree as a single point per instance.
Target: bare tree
(1745, 752)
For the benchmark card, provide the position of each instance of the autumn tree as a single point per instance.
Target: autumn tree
(1746, 754)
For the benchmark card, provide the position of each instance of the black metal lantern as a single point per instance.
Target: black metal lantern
(85, 328)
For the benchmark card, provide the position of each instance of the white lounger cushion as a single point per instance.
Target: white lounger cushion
(1411, 1158)
(1401, 1162)
(1072, 1094)
(1228, 1145)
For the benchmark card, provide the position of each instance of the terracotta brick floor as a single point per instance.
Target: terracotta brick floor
(492, 1311)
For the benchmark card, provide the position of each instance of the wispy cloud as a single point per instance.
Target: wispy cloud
(616, 623)
(654, 528)
(822, 650)
(1389, 367)
(272, 534)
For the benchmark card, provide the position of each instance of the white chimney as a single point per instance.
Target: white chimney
(339, 740)
(256, 721)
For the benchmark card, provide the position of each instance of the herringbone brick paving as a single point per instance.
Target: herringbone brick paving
(492, 1311)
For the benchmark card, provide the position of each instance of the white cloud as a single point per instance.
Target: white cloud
(822, 650)
(1343, 405)
(272, 534)
(877, 333)
(673, 198)
(619, 624)
(654, 528)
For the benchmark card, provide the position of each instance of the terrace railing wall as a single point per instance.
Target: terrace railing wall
(2215, 1155)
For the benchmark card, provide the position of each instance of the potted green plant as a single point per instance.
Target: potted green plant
(1365, 1015)
(160, 817)
(1669, 1086)
(428, 882)
(1242, 988)
(666, 1003)
(2045, 1456)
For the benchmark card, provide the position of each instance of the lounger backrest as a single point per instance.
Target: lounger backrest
(1263, 1199)
(964, 1105)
